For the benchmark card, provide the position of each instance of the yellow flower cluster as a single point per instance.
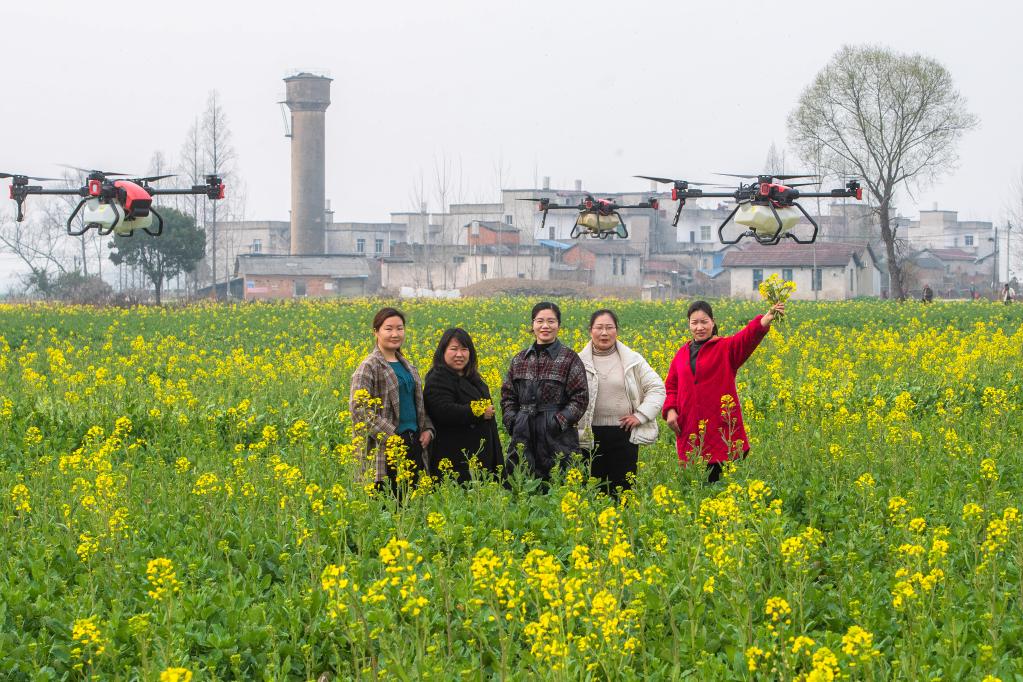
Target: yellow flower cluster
(480, 406)
(176, 675)
(89, 641)
(162, 578)
(20, 498)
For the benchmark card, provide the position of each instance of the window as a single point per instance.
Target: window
(818, 279)
(300, 287)
(378, 246)
(360, 245)
(623, 266)
(459, 259)
(257, 246)
(968, 240)
(758, 277)
(393, 243)
(692, 236)
(704, 233)
(614, 265)
(483, 269)
(507, 220)
(786, 274)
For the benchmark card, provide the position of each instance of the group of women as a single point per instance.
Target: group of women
(602, 402)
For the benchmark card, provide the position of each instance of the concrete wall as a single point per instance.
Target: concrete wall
(835, 282)
(468, 269)
(273, 287)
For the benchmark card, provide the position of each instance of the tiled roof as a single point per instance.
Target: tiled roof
(951, 254)
(821, 254)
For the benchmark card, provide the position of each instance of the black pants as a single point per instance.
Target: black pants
(612, 458)
(414, 455)
(714, 469)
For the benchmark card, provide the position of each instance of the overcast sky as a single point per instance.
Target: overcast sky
(593, 90)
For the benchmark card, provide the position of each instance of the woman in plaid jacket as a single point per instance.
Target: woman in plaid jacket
(387, 376)
(543, 397)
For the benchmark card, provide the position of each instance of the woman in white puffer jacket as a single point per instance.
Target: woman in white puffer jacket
(626, 396)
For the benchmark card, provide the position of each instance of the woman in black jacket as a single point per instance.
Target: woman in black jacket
(450, 390)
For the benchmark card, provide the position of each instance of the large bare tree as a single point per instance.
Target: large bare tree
(218, 157)
(892, 119)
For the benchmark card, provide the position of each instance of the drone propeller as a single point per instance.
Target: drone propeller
(152, 178)
(88, 171)
(671, 180)
(754, 176)
(28, 177)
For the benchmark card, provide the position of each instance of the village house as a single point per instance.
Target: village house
(821, 271)
(261, 277)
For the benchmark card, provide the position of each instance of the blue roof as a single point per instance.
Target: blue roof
(553, 244)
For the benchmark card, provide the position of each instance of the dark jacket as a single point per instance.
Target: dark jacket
(542, 399)
(460, 434)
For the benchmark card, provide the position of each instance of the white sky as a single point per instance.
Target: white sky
(596, 90)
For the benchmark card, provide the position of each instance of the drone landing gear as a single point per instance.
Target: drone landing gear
(576, 231)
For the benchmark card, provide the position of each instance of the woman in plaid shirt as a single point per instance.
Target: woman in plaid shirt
(387, 375)
(543, 397)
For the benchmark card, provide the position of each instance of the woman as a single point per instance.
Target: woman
(701, 386)
(543, 397)
(385, 374)
(626, 396)
(452, 386)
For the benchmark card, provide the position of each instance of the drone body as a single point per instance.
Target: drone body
(767, 207)
(111, 206)
(597, 218)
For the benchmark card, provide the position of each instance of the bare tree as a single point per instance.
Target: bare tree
(894, 119)
(218, 157)
(39, 242)
(1012, 254)
(775, 162)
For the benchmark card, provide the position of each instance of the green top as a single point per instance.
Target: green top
(408, 417)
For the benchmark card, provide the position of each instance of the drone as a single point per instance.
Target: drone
(598, 218)
(765, 205)
(118, 206)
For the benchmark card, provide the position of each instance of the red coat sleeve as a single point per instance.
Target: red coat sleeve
(671, 388)
(742, 345)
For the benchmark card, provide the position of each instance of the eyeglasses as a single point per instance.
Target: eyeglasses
(601, 328)
(545, 323)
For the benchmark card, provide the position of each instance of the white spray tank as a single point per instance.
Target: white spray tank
(102, 215)
(760, 219)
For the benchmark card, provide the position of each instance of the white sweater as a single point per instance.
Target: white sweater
(643, 386)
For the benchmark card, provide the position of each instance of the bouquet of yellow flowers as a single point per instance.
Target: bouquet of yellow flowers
(480, 406)
(775, 290)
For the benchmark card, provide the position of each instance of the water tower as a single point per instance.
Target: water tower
(308, 97)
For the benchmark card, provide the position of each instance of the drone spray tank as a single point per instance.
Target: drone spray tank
(308, 97)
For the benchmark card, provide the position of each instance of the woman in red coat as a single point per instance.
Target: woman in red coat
(701, 388)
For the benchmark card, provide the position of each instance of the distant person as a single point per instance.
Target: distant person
(701, 378)
(452, 388)
(387, 375)
(1007, 294)
(626, 396)
(928, 294)
(543, 397)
